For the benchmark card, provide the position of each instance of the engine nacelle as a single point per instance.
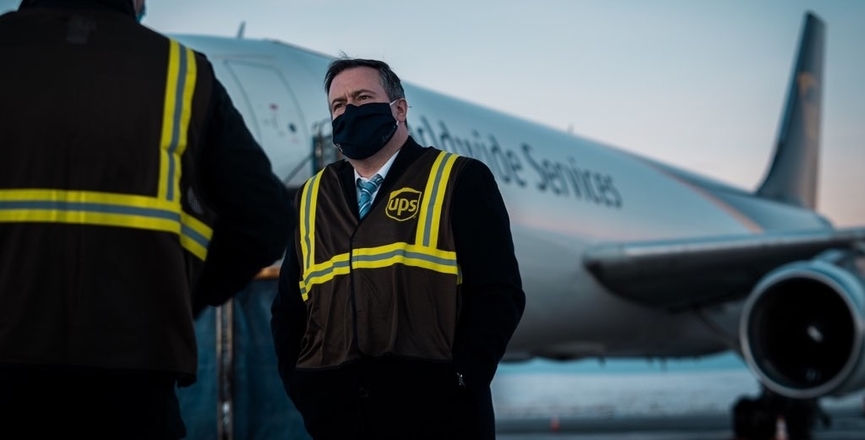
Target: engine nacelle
(802, 333)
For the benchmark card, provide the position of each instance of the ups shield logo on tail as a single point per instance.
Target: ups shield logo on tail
(403, 204)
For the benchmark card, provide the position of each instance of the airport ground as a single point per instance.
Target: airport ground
(693, 404)
(847, 424)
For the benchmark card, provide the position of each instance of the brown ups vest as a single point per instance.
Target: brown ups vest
(399, 264)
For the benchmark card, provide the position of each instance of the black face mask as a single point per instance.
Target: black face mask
(362, 131)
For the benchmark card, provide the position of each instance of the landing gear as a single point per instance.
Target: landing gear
(758, 418)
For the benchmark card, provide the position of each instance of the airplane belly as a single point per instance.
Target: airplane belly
(569, 315)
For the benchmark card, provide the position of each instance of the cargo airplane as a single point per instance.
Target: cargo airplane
(611, 268)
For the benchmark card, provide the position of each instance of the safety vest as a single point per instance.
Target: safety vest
(102, 231)
(388, 284)
(160, 211)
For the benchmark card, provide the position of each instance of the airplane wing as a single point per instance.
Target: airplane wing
(678, 274)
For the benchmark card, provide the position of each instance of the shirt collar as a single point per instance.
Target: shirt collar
(381, 171)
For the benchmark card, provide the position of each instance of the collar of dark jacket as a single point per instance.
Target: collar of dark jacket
(409, 151)
(124, 6)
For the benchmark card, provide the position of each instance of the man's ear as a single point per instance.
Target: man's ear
(401, 110)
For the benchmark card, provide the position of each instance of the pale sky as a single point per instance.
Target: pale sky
(699, 84)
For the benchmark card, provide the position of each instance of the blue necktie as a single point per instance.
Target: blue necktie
(367, 188)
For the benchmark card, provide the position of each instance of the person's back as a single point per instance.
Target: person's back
(78, 138)
(114, 201)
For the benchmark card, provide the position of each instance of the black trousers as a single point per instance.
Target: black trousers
(41, 402)
(384, 400)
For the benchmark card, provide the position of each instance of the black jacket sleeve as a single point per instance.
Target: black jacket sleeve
(288, 314)
(251, 203)
(493, 299)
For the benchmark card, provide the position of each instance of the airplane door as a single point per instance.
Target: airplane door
(273, 115)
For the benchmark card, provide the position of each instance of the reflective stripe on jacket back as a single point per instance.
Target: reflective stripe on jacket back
(159, 212)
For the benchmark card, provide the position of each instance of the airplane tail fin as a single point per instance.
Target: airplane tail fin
(792, 177)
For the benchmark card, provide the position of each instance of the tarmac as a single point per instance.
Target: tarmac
(847, 424)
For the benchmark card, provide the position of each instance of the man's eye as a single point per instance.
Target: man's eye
(363, 97)
(336, 106)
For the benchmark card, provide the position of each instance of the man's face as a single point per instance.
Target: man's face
(356, 86)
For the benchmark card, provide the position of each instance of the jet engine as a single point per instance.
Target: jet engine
(801, 330)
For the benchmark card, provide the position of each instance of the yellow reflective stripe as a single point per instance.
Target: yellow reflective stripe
(380, 257)
(308, 206)
(323, 272)
(177, 111)
(168, 112)
(186, 109)
(194, 235)
(79, 206)
(407, 254)
(89, 218)
(107, 198)
(429, 216)
(88, 207)
(104, 209)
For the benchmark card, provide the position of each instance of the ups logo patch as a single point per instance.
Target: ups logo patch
(403, 204)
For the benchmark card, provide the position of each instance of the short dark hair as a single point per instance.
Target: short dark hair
(389, 80)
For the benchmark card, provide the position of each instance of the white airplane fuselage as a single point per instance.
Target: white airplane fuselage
(564, 194)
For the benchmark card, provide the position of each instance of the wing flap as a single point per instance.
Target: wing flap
(679, 274)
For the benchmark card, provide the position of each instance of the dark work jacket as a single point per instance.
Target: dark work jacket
(128, 185)
(492, 304)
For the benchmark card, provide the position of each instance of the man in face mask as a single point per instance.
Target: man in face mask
(401, 291)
